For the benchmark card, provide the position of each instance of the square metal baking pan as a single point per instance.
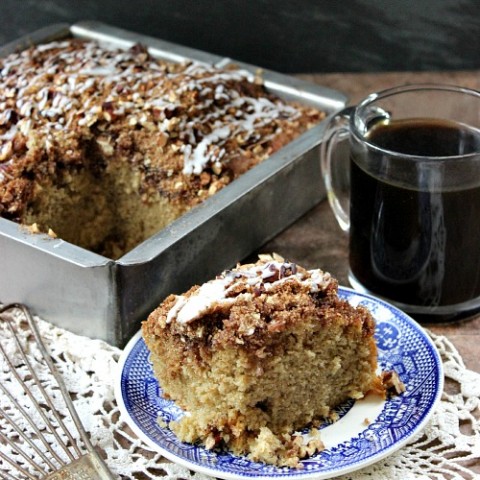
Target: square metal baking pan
(101, 298)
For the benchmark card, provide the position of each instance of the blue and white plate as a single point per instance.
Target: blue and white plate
(367, 431)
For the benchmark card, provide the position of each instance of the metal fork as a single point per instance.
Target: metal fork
(48, 449)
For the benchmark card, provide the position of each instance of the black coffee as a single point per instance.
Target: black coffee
(411, 245)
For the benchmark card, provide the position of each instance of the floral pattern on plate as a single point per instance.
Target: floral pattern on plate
(367, 430)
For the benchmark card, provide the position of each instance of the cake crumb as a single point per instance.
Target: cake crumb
(33, 228)
(392, 382)
(161, 422)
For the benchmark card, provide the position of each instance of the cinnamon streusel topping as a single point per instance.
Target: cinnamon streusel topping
(189, 129)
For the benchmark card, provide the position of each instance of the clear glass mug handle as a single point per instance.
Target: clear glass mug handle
(337, 130)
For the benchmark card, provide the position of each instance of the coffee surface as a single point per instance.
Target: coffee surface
(412, 245)
(427, 137)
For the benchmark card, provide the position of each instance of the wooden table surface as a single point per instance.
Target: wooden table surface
(316, 240)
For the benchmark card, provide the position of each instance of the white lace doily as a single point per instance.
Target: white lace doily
(448, 448)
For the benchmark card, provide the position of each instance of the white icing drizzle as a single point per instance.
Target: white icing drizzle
(196, 159)
(218, 292)
(52, 96)
(176, 308)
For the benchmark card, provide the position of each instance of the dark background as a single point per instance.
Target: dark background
(289, 36)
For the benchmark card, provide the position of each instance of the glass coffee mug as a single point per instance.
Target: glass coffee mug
(413, 214)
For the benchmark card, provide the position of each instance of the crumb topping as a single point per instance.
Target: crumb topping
(243, 283)
(211, 124)
(252, 304)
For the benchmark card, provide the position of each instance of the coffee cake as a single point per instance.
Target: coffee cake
(106, 147)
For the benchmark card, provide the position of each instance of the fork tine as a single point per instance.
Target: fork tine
(54, 372)
(54, 411)
(28, 418)
(27, 439)
(7, 476)
(80, 464)
(21, 453)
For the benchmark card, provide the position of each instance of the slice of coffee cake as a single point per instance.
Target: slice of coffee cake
(259, 353)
